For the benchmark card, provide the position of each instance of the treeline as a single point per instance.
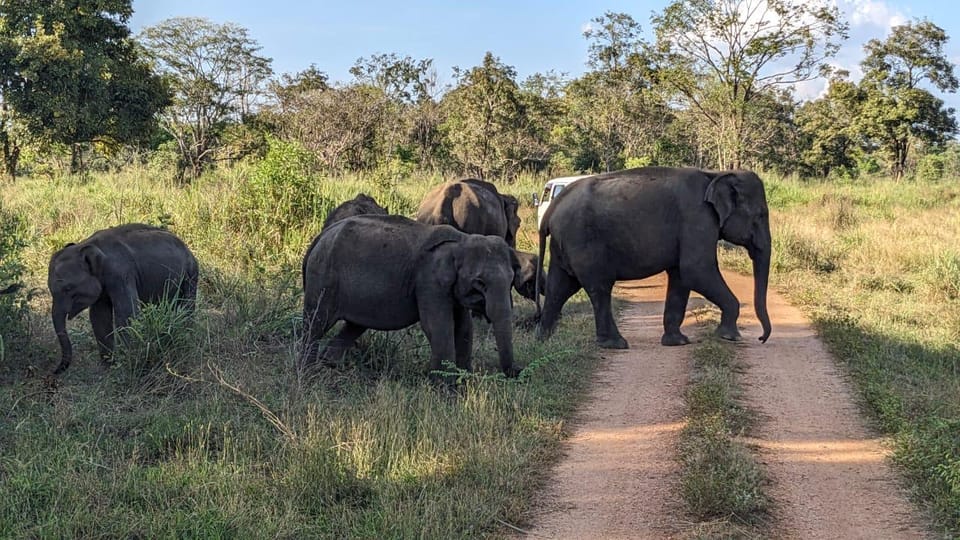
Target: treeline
(709, 84)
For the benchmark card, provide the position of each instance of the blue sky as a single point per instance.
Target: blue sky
(531, 35)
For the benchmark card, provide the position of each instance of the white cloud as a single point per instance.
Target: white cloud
(875, 13)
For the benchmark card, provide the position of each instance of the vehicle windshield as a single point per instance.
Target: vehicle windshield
(546, 195)
(556, 190)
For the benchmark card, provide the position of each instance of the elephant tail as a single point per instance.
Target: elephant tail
(543, 233)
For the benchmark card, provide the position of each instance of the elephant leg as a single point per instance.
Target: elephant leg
(317, 320)
(714, 289)
(439, 327)
(674, 310)
(338, 346)
(463, 337)
(101, 318)
(608, 336)
(560, 287)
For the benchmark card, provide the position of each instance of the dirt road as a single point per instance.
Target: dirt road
(619, 479)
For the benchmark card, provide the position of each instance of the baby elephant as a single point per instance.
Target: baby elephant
(388, 272)
(112, 272)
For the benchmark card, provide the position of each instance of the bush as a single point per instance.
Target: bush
(13, 239)
(282, 193)
(930, 168)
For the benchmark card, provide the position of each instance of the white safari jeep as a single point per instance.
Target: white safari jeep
(551, 189)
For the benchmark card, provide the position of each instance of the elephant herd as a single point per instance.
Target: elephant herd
(458, 260)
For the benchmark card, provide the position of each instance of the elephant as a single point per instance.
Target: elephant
(635, 223)
(476, 207)
(112, 272)
(361, 204)
(389, 272)
(472, 206)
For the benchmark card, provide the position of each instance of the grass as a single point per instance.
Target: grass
(876, 265)
(204, 428)
(720, 482)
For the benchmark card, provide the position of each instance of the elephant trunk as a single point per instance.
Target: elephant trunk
(501, 315)
(60, 327)
(761, 275)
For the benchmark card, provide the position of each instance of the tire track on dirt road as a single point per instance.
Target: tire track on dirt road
(619, 477)
(830, 476)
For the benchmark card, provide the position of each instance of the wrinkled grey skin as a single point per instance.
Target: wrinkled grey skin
(357, 206)
(472, 206)
(476, 207)
(636, 223)
(388, 272)
(360, 205)
(112, 272)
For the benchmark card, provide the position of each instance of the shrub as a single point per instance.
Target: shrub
(13, 239)
(282, 192)
(930, 168)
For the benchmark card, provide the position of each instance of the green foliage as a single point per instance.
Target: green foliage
(13, 240)
(71, 74)
(159, 336)
(486, 123)
(930, 168)
(282, 193)
(895, 109)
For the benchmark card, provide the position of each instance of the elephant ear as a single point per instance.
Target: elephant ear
(722, 195)
(95, 258)
(441, 234)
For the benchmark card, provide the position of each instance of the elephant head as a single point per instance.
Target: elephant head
(74, 282)
(485, 268)
(741, 206)
(525, 279)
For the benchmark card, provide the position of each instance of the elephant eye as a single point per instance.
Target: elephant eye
(479, 285)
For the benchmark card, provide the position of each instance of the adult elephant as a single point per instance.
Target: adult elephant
(388, 272)
(476, 207)
(472, 206)
(635, 223)
(112, 272)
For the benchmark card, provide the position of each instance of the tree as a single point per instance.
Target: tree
(830, 137)
(614, 111)
(216, 75)
(719, 56)
(70, 74)
(402, 79)
(896, 109)
(486, 123)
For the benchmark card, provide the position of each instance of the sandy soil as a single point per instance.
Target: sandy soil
(619, 479)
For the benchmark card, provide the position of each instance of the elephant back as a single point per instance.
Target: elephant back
(472, 206)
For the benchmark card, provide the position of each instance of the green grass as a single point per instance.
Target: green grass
(876, 265)
(721, 483)
(203, 427)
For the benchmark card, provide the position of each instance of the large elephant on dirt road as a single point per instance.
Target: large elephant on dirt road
(635, 223)
(476, 207)
(112, 272)
(388, 272)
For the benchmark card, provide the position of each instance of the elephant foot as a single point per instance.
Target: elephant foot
(674, 339)
(728, 334)
(616, 342)
(512, 372)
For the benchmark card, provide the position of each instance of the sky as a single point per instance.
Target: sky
(530, 35)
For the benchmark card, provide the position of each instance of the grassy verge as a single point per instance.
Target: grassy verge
(877, 267)
(203, 428)
(720, 483)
